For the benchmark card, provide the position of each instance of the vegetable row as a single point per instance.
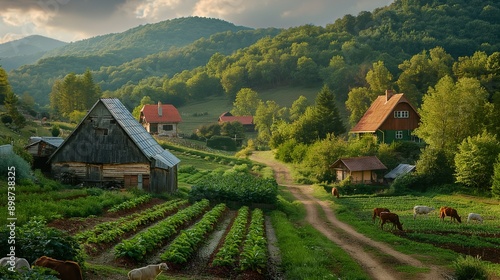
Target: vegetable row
(146, 241)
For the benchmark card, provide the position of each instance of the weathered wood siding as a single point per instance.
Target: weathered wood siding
(101, 172)
(100, 140)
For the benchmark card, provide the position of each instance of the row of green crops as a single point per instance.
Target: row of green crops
(56, 204)
(109, 231)
(131, 203)
(242, 187)
(185, 244)
(254, 255)
(229, 251)
(430, 228)
(146, 241)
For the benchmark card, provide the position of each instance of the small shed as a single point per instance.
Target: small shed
(41, 148)
(110, 146)
(361, 170)
(401, 169)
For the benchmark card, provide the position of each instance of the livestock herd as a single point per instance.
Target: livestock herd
(386, 216)
(70, 270)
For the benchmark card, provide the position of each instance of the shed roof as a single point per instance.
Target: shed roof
(360, 163)
(54, 141)
(161, 113)
(399, 170)
(378, 112)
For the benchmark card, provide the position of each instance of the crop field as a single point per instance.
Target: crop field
(473, 238)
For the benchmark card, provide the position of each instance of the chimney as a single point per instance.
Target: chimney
(388, 94)
(160, 112)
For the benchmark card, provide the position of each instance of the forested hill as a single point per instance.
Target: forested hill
(341, 54)
(114, 50)
(26, 50)
(147, 39)
(338, 55)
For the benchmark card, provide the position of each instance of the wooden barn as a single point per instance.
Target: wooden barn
(361, 170)
(391, 117)
(110, 146)
(41, 148)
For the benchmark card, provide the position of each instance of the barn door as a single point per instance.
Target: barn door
(94, 172)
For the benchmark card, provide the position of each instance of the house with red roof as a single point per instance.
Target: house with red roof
(360, 170)
(391, 117)
(246, 121)
(161, 119)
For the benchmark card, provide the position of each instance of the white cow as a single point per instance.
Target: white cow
(19, 264)
(474, 216)
(420, 210)
(149, 272)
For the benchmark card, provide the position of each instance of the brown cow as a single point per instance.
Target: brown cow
(67, 270)
(448, 211)
(335, 192)
(377, 211)
(391, 218)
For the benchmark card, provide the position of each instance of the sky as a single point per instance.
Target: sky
(73, 20)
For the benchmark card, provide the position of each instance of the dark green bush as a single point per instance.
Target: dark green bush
(222, 143)
(468, 267)
(22, 167)
(36, 273)
(35, 239)
(6, 118)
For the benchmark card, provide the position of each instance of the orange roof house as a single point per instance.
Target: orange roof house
(361, 170)
(246, 121)
(391, 117)
(161, 119)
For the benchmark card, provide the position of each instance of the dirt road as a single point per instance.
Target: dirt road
(364, 250)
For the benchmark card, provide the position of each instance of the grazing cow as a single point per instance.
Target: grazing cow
(391, 218)
(377, 211)
(448, 211)
(421, 210)
(18, 264)
(474, 216)
(149, 272)
(67, 270)
(335, 192)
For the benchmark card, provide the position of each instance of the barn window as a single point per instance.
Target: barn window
(101, 131)
(113, 121)
(399, 134)
(168, 127)
(401, 114)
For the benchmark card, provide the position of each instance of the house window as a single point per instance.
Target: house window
(168, 127)
(399, 134)
(401, 114)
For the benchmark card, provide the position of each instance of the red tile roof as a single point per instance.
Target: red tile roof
(360, 163)
(227, 117)
(169, 114)
(378, 112)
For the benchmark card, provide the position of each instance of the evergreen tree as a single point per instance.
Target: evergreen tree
(329, 117)
(10, 100)
(4, 85)
(495, 187)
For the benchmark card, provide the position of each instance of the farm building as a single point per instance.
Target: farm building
(110, 146)
(360, 170)
(41, 148)
(246, 121)
(390, 117)
(161, 119)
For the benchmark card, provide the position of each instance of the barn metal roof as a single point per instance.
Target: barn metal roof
(360, 163)
(146, 143)
(399, 170)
